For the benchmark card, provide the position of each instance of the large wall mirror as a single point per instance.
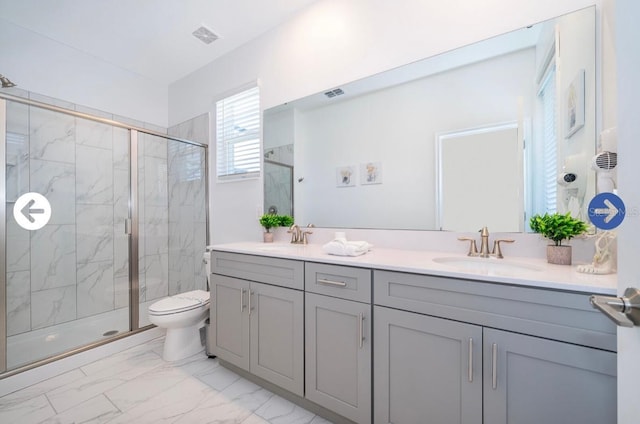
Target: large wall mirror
(487, 134)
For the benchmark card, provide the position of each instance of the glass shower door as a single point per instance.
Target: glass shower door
(67, 200)
(172, 215)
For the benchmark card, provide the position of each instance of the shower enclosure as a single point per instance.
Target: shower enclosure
(112, 192)
(278, 180)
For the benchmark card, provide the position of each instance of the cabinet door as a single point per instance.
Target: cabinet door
(528, 380)
(231, 329)
(277, 336)
(338, 355)
(426, 369)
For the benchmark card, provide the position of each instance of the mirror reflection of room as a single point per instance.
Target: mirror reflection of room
(278, 139)
(398, 119)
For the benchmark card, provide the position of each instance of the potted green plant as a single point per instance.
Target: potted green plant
(558, 227)
(285, 220)
(268, 221)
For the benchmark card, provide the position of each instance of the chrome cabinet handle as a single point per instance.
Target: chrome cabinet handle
(361, 329)
(241, 300)
(332, 283)
(470, 359)
(624, 311)
(494, 366)
(250, 293)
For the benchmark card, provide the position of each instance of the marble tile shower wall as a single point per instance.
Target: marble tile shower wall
(76, 266)
(172, 211)
(278, 190)
(187, 206)
(153, 248)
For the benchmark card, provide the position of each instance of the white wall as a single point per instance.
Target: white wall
(397, 127)
(41, 65)
(330, 43)
(574, 31)
(628, 68)
(278, 129)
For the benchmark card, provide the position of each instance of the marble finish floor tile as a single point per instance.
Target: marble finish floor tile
(137, 386)
(278, 410)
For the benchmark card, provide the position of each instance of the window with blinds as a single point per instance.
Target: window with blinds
(547, 95)
(238, 136)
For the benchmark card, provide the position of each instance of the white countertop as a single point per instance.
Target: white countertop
(530, 272)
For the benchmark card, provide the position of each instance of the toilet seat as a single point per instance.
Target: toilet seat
(180, 303)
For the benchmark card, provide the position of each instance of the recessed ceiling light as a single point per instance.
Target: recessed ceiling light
(205, 35)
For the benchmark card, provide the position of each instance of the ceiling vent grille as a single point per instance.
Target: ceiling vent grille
(205, 35)
(334, 93)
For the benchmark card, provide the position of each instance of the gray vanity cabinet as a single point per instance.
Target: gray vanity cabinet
(529, 380)
(426, 369)
(338, 340)
(256, 326)
(453, 372)
(230, 331)
(523, 369)
(277, 336)
(443, 350)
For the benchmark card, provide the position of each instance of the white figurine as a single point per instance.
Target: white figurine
(604, 261)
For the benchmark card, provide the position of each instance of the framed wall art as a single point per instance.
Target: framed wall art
(346, 176)
(574, 105)
(371, 173)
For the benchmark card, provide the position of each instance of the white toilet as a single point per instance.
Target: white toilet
(182, 315)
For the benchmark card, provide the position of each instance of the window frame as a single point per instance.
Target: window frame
(224, 145)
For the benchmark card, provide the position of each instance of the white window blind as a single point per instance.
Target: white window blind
(549, 147)
(238, 136)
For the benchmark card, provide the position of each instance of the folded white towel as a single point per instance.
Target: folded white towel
(347, 248)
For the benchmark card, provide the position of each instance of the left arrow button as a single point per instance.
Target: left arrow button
(32, 211)
(28, 212)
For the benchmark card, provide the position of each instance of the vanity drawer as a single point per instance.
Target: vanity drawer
(276, 271)
(552, 314)
(339, 281)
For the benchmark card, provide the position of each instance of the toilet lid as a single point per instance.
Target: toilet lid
(180, 303)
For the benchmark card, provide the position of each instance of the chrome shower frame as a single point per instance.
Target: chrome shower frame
(134, 289)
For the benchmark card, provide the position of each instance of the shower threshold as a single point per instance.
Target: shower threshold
(26, 348)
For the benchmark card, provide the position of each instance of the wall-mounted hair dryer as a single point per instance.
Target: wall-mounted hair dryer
(572, 184)
(574, 174)
(605, 162)
(566, 178)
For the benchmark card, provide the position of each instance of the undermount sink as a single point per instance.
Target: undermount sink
(485, 265)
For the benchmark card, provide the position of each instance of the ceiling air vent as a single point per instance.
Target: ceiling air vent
(334, 93)
(205, 35)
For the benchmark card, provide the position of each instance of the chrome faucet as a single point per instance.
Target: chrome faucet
(484, 245)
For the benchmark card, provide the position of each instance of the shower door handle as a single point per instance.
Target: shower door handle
(127, 226)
